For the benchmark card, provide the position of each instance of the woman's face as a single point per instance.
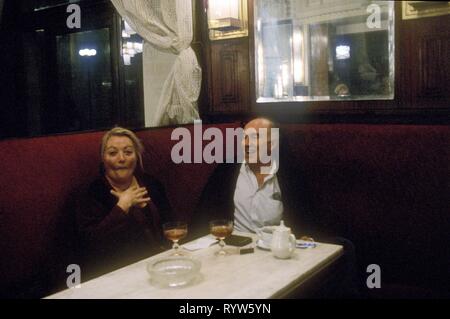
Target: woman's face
(119, 159)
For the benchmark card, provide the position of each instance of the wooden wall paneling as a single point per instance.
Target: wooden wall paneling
(319, 60)
(251, 58)
(421, 79)
(424, 46)
(434, 55)
(230, 76)
(422, 83)
(225, 93)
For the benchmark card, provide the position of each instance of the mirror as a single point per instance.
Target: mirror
(324, 50)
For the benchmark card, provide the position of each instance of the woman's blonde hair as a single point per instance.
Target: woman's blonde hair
(120, 131)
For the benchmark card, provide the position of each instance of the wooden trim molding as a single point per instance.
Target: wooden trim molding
(422, 9)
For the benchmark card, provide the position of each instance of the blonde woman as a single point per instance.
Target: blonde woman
(119, 216)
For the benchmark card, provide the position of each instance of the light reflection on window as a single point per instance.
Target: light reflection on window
(342, 52)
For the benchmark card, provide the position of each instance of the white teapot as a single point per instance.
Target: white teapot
(283, 242)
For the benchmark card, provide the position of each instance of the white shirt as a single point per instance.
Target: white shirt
(255, 206)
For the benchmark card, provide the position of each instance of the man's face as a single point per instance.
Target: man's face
(256, 140)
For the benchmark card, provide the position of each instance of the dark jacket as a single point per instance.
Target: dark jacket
(109, 238)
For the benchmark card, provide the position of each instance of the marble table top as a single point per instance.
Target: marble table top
(257, 275)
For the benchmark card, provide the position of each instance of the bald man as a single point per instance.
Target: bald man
(257, 195)
(257, 192)
(262, 191)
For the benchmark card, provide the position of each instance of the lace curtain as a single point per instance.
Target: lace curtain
(172, 75)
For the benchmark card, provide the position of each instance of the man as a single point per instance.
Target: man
(259, 191)
(263, 190)
(257, 195)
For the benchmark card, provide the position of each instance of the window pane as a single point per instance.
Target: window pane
(85, 82)
(324, 50)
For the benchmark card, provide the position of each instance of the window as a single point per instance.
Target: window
(324, 50)
(71, 79)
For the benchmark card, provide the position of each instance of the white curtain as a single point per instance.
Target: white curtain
(172, 75)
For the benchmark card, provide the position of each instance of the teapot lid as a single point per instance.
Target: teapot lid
(282, 227)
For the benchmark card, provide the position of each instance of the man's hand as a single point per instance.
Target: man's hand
(133, 196)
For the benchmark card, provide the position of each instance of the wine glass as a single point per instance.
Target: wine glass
(221, 229)
(175, 231)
